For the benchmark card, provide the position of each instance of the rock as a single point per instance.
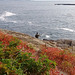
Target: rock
(63, 46)
(73, 49)
(48, 40)
(68, 42)
(73, 43)
(60, 41)
(63, 41)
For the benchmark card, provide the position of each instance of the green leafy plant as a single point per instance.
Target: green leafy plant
(16, 58)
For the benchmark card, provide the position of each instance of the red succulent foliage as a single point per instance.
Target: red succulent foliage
(65, 61)
(6, 39)
(0, 63)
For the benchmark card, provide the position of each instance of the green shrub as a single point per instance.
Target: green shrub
(14, 60)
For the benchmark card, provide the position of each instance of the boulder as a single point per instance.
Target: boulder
(63, 41)
(63, 46)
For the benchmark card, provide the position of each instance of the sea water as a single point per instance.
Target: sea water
(49, 20)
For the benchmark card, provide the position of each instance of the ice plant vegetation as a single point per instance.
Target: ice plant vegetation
(64, 59)
(17, 58)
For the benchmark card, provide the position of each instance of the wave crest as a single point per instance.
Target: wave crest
(67, 29)
(7, 14)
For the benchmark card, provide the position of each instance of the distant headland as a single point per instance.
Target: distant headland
(64, 4)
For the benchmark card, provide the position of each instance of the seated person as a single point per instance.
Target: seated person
(37, 35)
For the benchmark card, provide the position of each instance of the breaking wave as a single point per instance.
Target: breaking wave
(6, 14)
(47, 36)
(67, 29)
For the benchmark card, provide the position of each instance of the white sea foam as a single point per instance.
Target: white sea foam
(7, 14)
(12, 21)
(67, 29)
(47, 36)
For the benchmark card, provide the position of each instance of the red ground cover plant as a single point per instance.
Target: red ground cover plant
(64, 59)
(10, 47)
(6, 39)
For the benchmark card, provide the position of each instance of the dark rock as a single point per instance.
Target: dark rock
(63, 41)
(63, 46)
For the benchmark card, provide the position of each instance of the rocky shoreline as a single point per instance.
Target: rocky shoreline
(61, 43)
(64, 44)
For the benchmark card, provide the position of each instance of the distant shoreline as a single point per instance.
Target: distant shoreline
(64, 4)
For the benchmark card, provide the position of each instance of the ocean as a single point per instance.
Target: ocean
(51, 21)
